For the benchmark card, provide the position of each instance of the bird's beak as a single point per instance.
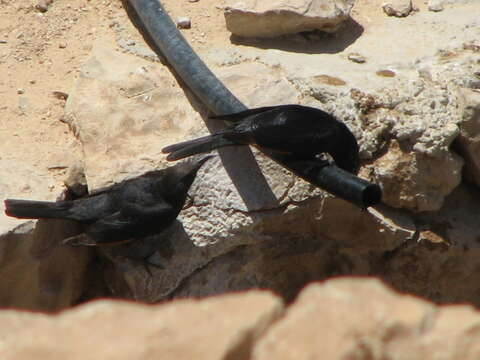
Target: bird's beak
(202, 161)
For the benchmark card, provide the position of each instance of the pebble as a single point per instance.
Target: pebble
(184, 22)
(355, 57)
(42, 5)
(435, 5)
(3, 41)
(192, 1)
(62, 45)
(60, 95)
(20, 91)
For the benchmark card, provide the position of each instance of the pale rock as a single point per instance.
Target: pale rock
(361, 318)
(398, 8)
(421, 116)
(226, 327)
(399, 173)
(435, 5)
(266, 19)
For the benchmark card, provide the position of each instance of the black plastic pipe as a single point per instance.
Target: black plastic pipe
(162, 36)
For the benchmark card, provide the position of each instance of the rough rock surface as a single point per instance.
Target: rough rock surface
(267, 19)
(339, 319)
(358, 319)
(119, 330)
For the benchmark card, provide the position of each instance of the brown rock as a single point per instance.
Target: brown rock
(362, 319)
(216, 328)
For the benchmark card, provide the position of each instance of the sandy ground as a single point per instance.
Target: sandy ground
(40, 55)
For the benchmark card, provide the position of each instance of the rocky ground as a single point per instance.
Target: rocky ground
(81, 90)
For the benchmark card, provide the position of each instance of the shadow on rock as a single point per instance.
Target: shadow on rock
(36, 271)
(314, 42)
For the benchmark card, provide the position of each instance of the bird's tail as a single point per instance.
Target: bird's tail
(196, 146)
(28, 209)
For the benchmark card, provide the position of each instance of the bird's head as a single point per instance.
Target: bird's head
(346, 152)
(181, 177)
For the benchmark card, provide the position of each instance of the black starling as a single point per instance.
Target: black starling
(303, 133)
(134, 208)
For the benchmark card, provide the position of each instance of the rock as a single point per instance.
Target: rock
(469, 139)
(266, 19)
(32, 261)
(354, 318)
(435, 5)
(42, 5)
(76, 181)
(184, 22)
(398, 169)
(367, 320)
(449, 240)
(208, 329)
(357, 58)
(398, 8)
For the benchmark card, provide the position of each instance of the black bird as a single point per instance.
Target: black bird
(301, 132)
(134, 208)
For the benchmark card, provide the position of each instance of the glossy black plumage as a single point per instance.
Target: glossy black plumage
(134, 208)
(301, 132)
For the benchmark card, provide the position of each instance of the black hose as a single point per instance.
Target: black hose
(162, 36)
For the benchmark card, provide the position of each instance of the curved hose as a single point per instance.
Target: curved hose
(162, 36)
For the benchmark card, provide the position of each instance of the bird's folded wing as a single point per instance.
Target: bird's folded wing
(142, 210)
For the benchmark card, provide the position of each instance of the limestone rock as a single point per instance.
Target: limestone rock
(119, 330)
(254, 18)
(398, 8)
(366, 320)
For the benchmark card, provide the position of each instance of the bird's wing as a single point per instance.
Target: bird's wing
(158, 209)
(235, 117)
(289, 129)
